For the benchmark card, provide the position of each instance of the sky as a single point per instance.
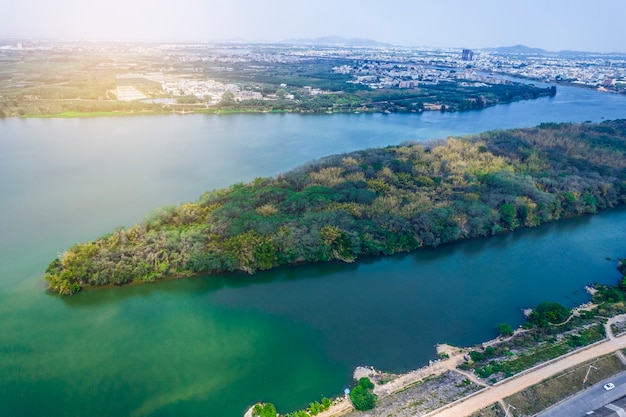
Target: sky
(554, 25)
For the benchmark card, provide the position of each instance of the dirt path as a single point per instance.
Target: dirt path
(508, 387)
(455, 358)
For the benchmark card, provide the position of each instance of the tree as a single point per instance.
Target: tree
(228, 98)
(362, 396)
(505, 330)
(548, 312)
(508, 214)
(187, 99)
(264, 410)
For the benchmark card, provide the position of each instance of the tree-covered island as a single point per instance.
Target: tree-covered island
(370, 202)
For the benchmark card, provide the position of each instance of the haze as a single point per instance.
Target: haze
(552, 25)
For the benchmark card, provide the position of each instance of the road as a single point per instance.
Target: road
(508, 387)
(590, 399)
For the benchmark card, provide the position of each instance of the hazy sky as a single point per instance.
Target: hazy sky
(597, 25)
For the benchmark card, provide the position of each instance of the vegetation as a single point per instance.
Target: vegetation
(551, 331)
(610, 299)
(505, 330)
(548, 313)
(450, 96)
(362, 396)
(540, 397)
(269, 409)
(57, 83)
(264, 410)
(541, 341)
(371, 202)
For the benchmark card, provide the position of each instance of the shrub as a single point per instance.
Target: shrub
(264, 410)
(547, 313)
(362, 396)
(505, 330)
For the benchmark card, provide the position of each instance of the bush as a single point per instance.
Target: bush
(362, 399)
(264, 410)
(366, 383)
(505, 330)
(609, 294)
(362, 396)
(547, 313)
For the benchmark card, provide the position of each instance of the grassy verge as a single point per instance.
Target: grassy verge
(74, 114)
(534, 347)
(78, 114)
(494, 410)
(547, 393)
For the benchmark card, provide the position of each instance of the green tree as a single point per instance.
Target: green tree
(264, 410)
(508, 214)
(228, 99)
(362, 396)
(299, 413)
(505, 330)
(548, 313)
(188, 99)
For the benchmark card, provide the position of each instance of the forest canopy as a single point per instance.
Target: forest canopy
(370, 202)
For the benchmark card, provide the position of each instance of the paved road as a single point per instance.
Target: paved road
(509, 387)
(590, 399)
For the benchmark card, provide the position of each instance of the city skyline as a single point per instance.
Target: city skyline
(553, 26)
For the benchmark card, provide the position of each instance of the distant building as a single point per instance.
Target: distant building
(468, 55)
(408, 84)
(609, 82)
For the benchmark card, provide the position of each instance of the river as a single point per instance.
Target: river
(211, 346)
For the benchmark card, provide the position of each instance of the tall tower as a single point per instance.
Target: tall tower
(468, 55)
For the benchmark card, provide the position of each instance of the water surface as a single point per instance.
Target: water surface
(214, 345)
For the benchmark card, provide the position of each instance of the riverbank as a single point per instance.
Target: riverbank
(451, 98)
(442, 389)
(203, 109)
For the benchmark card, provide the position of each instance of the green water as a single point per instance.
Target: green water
(211, 346)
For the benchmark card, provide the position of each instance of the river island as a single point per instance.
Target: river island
(370, 202)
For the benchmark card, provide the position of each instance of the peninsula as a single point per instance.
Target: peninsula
(371, 202)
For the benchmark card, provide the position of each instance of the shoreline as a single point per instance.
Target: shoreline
(452, 356)
(191, 275)
(429, 107)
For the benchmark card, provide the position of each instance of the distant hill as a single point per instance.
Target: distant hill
(337, 40)
(525, 50)
(517, 49)
(583, 53)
